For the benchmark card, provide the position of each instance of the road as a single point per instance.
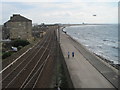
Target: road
(86, 70)
(34, 68)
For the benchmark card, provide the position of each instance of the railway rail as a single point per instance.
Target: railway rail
(27, 71)
(32, 81)
(9, 65)
(21, 61)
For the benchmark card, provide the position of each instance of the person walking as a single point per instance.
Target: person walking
(72, 54)
(68, 54)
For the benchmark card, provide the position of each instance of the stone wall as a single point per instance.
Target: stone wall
(22, 30)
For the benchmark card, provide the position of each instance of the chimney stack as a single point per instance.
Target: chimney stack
(16, 15)
(11, 17)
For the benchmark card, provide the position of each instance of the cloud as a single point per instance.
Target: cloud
(63, 12)
(60, 1)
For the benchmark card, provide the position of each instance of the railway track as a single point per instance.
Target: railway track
(27, 71)
(31, 82)
(21, 60)
(8, 67)
(5, 63)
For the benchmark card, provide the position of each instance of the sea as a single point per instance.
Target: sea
(99, 39)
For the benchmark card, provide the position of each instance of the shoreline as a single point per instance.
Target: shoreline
(111, 63)
(116, 66)
(84, 55)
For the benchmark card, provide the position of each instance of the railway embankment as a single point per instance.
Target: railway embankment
(17, 54)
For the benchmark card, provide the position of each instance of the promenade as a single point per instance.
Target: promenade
(83, 72)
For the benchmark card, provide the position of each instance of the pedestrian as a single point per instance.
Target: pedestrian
(72, 54)
(68, 54)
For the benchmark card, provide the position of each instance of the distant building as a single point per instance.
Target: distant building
(38, 30)
(17, 27)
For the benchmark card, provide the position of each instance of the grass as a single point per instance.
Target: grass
(61, 72)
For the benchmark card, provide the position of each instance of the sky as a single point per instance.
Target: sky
(62, 11)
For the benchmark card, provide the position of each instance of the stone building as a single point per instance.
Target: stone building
(17, 27)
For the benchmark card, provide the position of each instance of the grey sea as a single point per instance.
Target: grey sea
(99, 39)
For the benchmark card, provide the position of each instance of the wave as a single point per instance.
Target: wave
(107, 40)
(115, 47)
(101, 40)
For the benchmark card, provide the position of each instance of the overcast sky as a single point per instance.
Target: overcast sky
(61, 11)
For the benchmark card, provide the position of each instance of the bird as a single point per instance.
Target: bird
(94, 15)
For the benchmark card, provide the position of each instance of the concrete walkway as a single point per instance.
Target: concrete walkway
(82, 73)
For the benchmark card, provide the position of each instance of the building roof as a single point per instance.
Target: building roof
(18, 18)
